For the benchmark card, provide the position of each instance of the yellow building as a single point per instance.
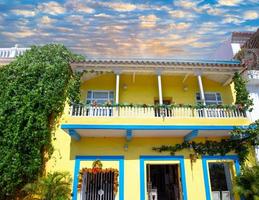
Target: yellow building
(122, 137)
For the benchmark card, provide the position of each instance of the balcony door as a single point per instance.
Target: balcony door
(220, 181)
(165, 112)
(163, 182)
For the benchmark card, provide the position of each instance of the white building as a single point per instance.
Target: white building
(245, 45)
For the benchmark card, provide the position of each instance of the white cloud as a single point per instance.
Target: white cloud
(200, 44)
(52, 8)
(103, 15)
(229, 2)
(25, 13)
(75, 19)
(232, 19)
(46, 20)
(181, 14)
(251, 14)
(20, 34)
(186, 4)
(148, 21)
(180, 26)
(120, 7)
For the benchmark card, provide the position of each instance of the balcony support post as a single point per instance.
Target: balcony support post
(201, 88)
(117, 87)
(160, 87)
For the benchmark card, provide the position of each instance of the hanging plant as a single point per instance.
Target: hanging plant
(240, 142)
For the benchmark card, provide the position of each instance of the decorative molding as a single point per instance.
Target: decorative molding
(74, 134)
(190, 136)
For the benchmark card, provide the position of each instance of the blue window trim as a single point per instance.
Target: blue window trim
(205, 160)
(148, 127)
(78, 159)
(161, 158)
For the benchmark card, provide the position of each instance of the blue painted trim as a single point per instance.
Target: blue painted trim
(78, 159)
(128, 135)
(148, 127)
(74, 134)
(205, 160)
(198, 61)
(161, 158)
(193, 134)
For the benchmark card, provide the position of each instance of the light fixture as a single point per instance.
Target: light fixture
(125, 86)
(185, 88)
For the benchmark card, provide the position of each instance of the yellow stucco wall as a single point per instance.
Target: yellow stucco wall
(65, 150)
(144, 88)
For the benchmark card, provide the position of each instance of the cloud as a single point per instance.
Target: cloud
(20, 34)
(232, 19)
(78, 6)
(180, 26)
(229, 2)
(181, 14)
(186, 4)
(212, 10)
(103, 15)
(251, 14)
(52, 8)
(200, 44)
(120, 7)
(46, 20)
(148, 21)
(25, 13)
(75, 19)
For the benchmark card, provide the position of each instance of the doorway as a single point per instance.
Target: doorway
(165, 112)
(220, 181)
(163, 182)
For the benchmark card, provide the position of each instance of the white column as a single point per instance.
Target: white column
(201, 88)
(160, 94)
(117, 87)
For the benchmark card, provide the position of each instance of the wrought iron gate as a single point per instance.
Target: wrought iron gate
(98, 186)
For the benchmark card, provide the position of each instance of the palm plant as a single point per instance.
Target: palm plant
(247, 183)
(54, 186)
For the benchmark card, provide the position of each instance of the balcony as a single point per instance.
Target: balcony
(253, 77)
(8, 54)
(147, 111)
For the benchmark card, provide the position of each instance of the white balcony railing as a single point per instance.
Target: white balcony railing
(147, 112)
(253, 74)
(12, 52)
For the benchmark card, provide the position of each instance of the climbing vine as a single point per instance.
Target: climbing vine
(242, 95)
(33, 91)
(240, 143)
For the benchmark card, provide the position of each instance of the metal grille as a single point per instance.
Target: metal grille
(98, 186)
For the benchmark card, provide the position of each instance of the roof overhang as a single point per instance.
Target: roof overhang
(78, 131)
(163, 66)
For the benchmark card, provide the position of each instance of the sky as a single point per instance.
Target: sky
(156, 29)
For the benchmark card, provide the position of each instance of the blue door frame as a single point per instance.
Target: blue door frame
(205, 160)
(120, 159)
(161, 158)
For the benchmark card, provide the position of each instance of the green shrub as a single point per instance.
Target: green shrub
(54, 186)
(247, 183)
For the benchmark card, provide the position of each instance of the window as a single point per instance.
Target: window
(210, 98)
(99, 96)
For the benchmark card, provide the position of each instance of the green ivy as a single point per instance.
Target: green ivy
(33, 91)
(240, 143)
(242, 95)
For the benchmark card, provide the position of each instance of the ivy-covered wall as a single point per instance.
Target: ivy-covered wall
(33, 91)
